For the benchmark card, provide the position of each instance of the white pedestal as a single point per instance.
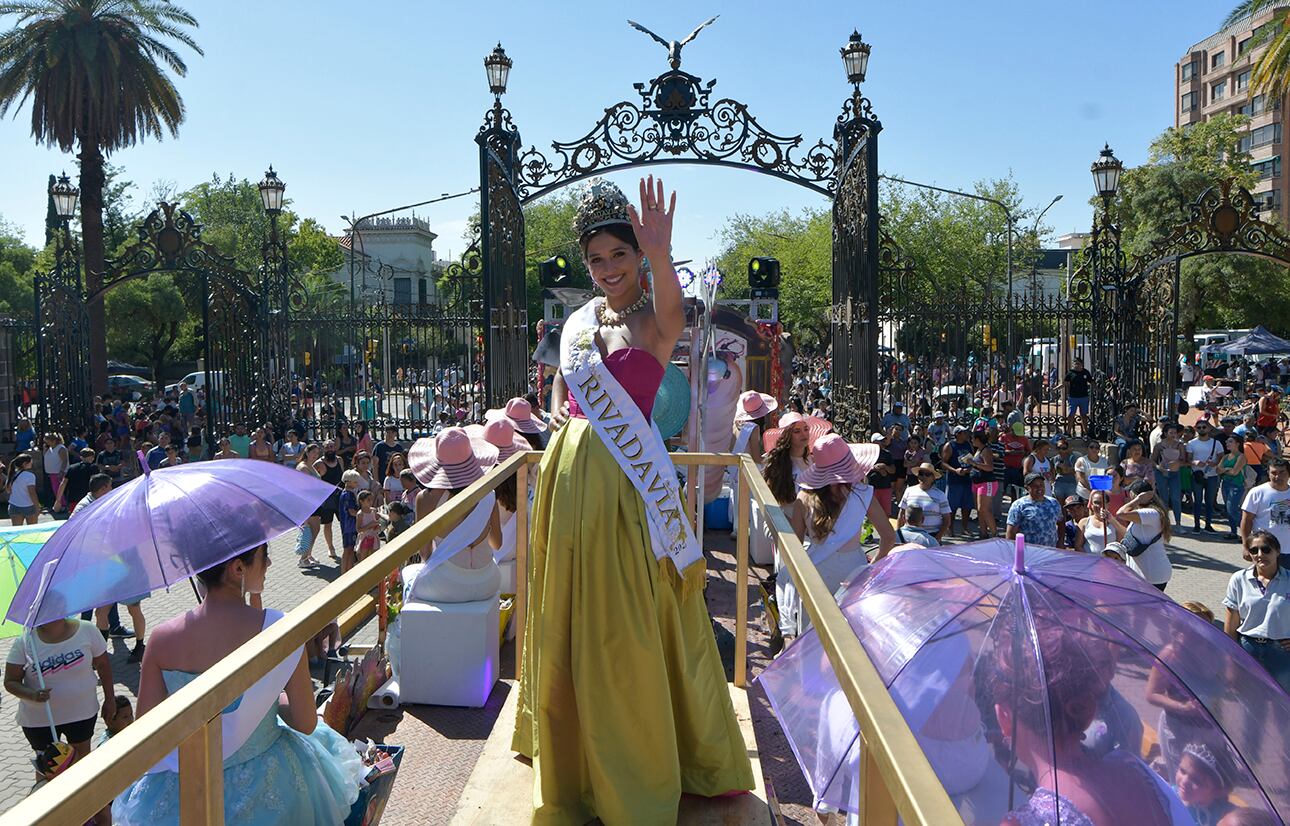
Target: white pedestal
(449, 652)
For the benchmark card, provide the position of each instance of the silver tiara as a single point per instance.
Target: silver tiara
(602, 204)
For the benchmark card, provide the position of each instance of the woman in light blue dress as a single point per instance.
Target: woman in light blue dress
(281, 763)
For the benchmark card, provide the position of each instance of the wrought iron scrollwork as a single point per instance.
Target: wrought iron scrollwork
(675, 120)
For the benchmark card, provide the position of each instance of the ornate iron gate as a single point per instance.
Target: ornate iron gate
(235, 324)
(506, 313)
(62, 344)
(235, 315)
(426, 355)
(855, 273)
(676, 120)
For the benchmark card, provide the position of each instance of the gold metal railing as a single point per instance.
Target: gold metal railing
(895, 777)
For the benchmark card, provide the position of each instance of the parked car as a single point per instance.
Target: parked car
(130, 388)
(196, 380)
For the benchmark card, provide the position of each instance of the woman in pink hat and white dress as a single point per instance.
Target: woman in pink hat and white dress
(523, 419)
(750, 423)
(751, 414)
(501, 435)
(830, 517)
(461, 566)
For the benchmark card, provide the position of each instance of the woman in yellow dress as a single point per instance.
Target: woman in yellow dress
(623, 701)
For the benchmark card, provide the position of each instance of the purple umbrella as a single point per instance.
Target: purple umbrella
(1037, 685)
(161, 528)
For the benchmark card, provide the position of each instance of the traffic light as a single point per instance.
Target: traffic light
(985, 335)
(554, 271)
(763, 273)
(307, 358)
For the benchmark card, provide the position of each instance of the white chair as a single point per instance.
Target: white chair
(448, 652)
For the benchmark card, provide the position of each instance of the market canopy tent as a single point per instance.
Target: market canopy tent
(1257, 342)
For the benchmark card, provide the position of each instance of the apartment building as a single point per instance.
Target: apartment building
(1213, 77)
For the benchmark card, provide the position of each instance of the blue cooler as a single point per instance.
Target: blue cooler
(716, 514)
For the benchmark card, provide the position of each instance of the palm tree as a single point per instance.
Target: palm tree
(1270, 74)
(95, 72)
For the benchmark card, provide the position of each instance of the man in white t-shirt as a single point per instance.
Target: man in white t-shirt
(1267, 507)
(934, 503)
(1204, 452)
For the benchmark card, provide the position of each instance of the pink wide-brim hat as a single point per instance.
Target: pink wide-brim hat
(500, 435)
(520, 414)
(835, 462)
(754, 405)
(450, 460)
(816, 426)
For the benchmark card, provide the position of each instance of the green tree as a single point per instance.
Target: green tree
(159, 320)
(1214, 290)
(803, 244)
(958, 246)
(17, 271)
(95, 71)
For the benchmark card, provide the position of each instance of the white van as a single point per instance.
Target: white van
(196, 380)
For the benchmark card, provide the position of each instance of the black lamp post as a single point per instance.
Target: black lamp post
(273, 297)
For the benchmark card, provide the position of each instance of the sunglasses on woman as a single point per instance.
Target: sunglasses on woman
(1261, 549)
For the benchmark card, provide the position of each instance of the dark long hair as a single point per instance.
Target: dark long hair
(778, 471)
(214, 575)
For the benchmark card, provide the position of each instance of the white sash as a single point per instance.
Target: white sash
(740, 446)
(631, 439)
(238, 725)
(458, 539)
(507, 551)
(846, 528)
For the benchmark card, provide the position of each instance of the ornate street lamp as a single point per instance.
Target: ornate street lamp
(271, 192)
(1106, 173)
(498, 66)
(855, 57)
(64, 194)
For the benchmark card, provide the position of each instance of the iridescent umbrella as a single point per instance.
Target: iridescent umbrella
(1031, 676)
(161, 528)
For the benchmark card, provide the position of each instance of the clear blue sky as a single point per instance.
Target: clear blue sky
(362, 107)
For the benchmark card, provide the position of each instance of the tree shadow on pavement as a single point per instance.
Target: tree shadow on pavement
(1184, 558)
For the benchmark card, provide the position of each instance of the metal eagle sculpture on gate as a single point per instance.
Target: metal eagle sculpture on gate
(674, 47)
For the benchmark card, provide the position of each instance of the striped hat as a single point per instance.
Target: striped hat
(499, 435)
(816, 426)
(754, 405)
(834, 462)
(520, 414)
(450, 460)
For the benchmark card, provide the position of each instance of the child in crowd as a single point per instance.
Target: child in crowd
(400, 520)
(122, 715)
(368, 523)
(1203, 783)
(348, 513)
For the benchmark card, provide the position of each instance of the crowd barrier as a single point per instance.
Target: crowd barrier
(895, 777)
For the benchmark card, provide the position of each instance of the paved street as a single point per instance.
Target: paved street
(1201, 569)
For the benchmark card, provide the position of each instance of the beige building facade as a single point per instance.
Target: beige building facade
(1213, 77)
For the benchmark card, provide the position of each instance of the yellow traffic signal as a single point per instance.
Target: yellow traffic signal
(307, 358)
